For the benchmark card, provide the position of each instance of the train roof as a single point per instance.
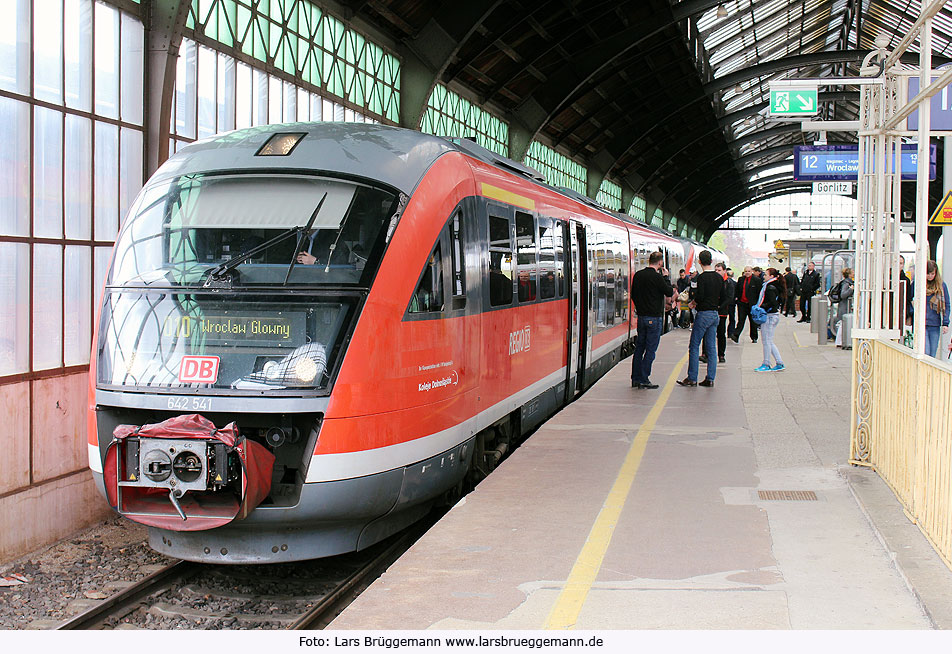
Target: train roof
(392, 155)
(395, 156)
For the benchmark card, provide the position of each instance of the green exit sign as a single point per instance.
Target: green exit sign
(793, 100)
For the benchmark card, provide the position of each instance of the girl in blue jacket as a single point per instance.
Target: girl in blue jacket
(937, 307)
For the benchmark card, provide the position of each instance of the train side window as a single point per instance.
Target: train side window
(526, 260)
(559, 257)
(500, 261)
(457, 260)
(428, 297)
(546, 258)
(621, 280)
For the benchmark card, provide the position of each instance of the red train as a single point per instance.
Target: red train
(311, 333)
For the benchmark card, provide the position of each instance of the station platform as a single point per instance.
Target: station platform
(731, 507)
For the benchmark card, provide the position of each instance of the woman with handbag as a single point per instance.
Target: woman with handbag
(937, 308)
(772, 299)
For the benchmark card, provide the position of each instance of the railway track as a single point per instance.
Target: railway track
(304, 595)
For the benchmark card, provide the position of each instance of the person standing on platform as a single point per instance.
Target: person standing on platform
(793, 283)
(937, 307)
(746, 294)
(772, 299)
(732, 318)
(809, 285)
(683, 280)
(724, 312)
(649, 289)
(708, 296)
(842, 295)
(904, 291)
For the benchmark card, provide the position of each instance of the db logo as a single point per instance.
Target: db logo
(199, 370)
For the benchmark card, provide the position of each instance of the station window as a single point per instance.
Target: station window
(500, 261)
(547, 272)
(527, 265)
(428, 297)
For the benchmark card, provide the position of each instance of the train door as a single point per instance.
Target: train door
(574, 273)
(591, 275)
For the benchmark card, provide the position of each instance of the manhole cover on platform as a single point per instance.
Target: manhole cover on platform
(786, 495)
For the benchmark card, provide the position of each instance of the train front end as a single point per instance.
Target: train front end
(235, 285)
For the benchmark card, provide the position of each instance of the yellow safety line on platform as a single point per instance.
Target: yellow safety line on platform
(797, 339)
(569, 604)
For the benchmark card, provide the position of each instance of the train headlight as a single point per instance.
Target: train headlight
(271, 370)
(305, 370)
(299, 368)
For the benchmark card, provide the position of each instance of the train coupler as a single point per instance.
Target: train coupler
(184, 474)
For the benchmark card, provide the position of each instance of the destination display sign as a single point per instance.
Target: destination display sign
(240, 328)
(832, 163)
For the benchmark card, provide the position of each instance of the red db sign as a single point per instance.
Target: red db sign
(199, 370)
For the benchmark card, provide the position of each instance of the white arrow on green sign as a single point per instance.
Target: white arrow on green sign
(793, 101)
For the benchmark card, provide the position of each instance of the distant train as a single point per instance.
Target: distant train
(311, 333)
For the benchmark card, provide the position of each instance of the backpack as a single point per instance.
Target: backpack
(835, 292)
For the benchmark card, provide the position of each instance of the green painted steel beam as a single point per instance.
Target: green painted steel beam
(163, 37)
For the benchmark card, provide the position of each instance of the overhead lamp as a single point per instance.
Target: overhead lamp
(738, 89)
(721, 11)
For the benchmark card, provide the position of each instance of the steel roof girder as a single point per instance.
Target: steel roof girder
(163, 37)
(783, 64)
(426, 56)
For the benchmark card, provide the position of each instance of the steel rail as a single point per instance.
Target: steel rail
(312, 618)
(113, 605)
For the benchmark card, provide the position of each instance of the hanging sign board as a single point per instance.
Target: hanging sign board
(940, 114)
(942, 216)
(835, 163)
(833, 188)
(789, 99)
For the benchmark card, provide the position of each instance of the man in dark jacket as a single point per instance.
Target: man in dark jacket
(793, 284)
(809, 285)
(747, 294)
(649, 288)
(683, 280)
(732, 318)
(724, 311)
(708, 297)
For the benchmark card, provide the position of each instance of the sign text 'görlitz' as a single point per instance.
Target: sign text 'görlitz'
(519, 341)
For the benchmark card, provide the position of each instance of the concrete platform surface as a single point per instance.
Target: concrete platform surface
(637, 509)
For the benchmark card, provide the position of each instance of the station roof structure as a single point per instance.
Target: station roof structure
(667, 98)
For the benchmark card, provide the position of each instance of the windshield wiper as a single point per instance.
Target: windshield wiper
(300, 241)
(218, 276)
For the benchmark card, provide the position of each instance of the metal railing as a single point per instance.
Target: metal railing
(903, 430)
(901, 399)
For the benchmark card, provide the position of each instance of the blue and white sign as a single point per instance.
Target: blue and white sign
(834, 163)
(940, 114)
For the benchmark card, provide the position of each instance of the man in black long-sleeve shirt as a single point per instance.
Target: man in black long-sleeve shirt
(708, 297)
(649, 288)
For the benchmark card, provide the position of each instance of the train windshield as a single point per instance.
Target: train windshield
(185, 229)
(254, 343)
